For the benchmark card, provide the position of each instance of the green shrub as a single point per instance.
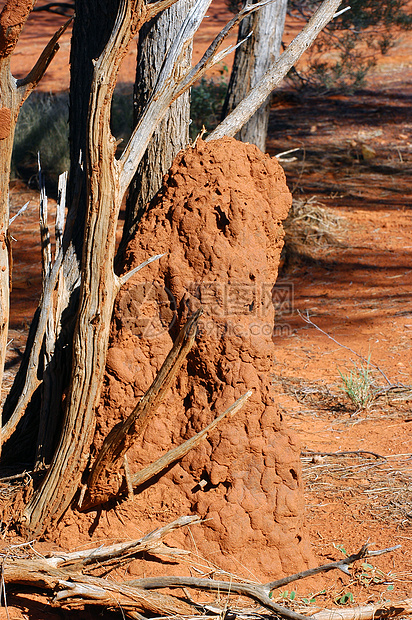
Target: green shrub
(358, 385)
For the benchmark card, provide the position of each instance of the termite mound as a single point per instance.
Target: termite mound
(218, 221)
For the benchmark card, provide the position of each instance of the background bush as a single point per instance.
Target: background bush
(42, 127)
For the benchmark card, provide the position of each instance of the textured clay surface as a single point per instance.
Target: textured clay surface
(217, 220)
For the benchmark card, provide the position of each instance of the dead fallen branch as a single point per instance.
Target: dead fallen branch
(113, 553)
(62, 576)
(386, 609)
(252, 589)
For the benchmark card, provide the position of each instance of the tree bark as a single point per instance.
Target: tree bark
(12, 95)
(252, 59)
(172, 134)
(97, 292)
(93, 24)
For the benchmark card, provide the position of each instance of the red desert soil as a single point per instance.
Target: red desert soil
(356, 286)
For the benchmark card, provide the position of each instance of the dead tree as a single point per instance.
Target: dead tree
(12, 95)
(107, 180)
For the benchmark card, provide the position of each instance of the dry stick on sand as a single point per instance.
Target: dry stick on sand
(89, 557)
(73, 589)
(343, 453)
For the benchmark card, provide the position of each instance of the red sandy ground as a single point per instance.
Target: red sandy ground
(357, 290)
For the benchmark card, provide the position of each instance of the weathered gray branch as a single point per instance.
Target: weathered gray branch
(89, 557)
(178, 453)
(272, 78)
(122, 436)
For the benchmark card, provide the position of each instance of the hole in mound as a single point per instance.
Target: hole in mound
(221, 218)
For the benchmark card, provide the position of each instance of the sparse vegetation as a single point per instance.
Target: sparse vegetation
(351, 44)
(358, 385)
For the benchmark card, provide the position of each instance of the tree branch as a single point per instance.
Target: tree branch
(126, 277)
(88, 557)
(210, 57)
(272, 78)
(122, 436)
(155, 8)
(259, 593)
(161, 96)
(26, 84)
(178, 453)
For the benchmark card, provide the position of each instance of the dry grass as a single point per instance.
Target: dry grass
(329, 399)
(380, 486)
(310, 226)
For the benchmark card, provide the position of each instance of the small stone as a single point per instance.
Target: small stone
(368, 152)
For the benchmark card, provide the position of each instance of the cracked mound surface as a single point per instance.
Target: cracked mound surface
(218, 221)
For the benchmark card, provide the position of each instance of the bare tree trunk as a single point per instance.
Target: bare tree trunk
(252, 59)
(12, 95)
(172, 134)
(93, 24)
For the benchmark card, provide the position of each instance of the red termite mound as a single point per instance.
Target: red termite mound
(218, 221)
